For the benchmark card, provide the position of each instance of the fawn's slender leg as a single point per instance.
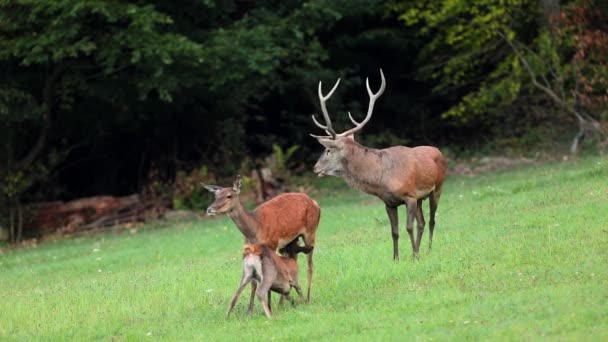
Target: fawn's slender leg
(244, 283)
(261, 294)
(254, 286)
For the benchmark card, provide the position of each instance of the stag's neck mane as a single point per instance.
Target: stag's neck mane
(364, 168)
(245, 221)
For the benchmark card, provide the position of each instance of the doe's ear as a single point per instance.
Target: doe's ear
(238, 184)
(211, 188)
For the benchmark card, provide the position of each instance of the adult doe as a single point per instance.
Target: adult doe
(397, 175)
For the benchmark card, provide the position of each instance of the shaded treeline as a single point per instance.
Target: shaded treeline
(97, 95)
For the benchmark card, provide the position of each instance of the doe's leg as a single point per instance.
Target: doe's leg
(299, 291)
(310, 269)
(309, 248)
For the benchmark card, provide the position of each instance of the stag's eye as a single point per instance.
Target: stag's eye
(229, 196)
(327, 151)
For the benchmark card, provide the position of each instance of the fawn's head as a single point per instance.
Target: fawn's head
(225, 198)
(336, 154)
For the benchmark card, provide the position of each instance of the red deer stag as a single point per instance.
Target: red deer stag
(397, 175)
(271, 272)
(274, 223)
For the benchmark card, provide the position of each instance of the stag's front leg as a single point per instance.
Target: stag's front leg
(393, 218)
(412, 207)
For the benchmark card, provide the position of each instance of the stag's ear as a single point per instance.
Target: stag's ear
(238, 184)
(327, 142)
(211, 188)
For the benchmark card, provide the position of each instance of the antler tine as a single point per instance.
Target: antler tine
(352, 120)
(322, 99)
(372, 100)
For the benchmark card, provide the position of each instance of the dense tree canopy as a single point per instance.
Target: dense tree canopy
(97, 95)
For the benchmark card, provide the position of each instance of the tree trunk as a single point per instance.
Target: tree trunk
(11, 223)
(19, 221)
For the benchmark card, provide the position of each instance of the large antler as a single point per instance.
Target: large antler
(358, 125)
(372, 100)
(328, 128)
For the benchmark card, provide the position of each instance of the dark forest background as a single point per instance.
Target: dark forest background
(109, 97)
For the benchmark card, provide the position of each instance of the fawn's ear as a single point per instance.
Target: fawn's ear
(211, 188)
(238, 184)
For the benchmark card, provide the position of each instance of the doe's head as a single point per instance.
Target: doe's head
(225, 198)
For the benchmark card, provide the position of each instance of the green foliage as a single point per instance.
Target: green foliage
(282, 157)
(494, 275)
(465, 51)
(188, 192)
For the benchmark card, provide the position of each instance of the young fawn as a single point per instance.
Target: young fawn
(271, 272)
(274, 223)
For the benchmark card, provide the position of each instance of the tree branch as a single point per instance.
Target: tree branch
(47, 95)
(537, 84)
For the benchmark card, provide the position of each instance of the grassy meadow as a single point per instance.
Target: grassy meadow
(517, 255)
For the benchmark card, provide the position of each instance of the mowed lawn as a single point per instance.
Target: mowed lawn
(517, 255)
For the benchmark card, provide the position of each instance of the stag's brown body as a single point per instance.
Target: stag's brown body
(275, 223)
(383, 172)
(397, 175)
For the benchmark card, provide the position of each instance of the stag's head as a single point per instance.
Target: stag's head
(331, 162)
(225, 198)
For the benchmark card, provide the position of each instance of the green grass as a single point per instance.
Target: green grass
(517, 255)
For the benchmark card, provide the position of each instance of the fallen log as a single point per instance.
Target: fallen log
(88, 213)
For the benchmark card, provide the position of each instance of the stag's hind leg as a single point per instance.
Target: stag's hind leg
(433, 203)
(420, 224)
(412, 207)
